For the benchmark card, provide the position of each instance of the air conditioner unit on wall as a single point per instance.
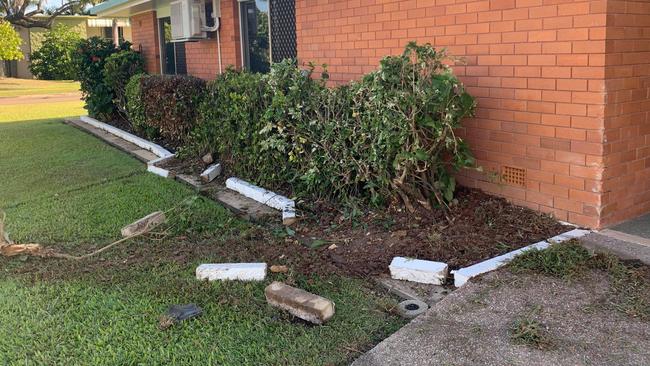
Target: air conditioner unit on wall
(187, 20)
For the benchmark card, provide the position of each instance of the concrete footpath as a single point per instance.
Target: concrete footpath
(472, 325)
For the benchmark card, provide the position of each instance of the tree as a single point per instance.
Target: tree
(53, 61)
(9, 42)
(24, 12)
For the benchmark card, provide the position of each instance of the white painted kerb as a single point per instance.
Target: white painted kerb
(461, 276)
(232, 271)
(259, 194)
(150, 146)
(266, 197)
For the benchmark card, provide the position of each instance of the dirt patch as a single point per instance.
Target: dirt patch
(331, 242)
(185, 166)
(481, 227)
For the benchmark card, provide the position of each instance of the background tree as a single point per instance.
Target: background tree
(9, 42)
(24, 12)
(53, 60)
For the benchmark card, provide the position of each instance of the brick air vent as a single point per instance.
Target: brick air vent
(513, 176)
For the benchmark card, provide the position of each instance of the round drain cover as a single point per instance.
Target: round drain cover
(412, 308)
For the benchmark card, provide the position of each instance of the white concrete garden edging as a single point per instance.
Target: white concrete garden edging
(211, 173)
(266, 197)
(461, 276)
(146, 145)
(152, 168)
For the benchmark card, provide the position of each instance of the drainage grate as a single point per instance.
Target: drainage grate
(513, 176)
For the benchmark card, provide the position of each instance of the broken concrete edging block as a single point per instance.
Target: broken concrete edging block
(152, 168)
(300, 303)
(232, 271)
(159, 171)
(461, 276)
(266, 197)
(150, 146)
(144, 224)
(417, 270)
(211, 173)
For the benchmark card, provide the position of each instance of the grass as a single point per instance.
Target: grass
(629, 291)
(38, 112)
(10, 87)
(529, 331)
(565, 261)
(69, 191)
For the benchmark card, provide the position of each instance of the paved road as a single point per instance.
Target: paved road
(41, 98)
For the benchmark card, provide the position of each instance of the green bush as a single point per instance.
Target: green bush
(10, 42)
(89, 60)
(54, 59)
(118, 70)
(390, 134)
(166, 105)
(231, 118)
(135, 107)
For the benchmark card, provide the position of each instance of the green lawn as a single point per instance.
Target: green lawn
(10, 87)
(65, 189)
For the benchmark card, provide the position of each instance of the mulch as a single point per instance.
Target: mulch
(481, 227)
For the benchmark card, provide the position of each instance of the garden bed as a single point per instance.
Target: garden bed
(481, 227)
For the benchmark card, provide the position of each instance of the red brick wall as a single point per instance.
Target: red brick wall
(202, 56)
(627, 122)
(535, 66)
(144, 28)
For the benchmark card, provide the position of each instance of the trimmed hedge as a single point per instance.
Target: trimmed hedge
(165, 105)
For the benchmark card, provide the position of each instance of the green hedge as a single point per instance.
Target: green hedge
(119, 68)
(390, 134)
(164, 105)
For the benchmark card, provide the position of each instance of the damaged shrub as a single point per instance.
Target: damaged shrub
(169, 105)
(231, 120)
(388, 135)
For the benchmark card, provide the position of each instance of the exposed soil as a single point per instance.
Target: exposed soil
(186, 166)
(481, 227)
(327, 242)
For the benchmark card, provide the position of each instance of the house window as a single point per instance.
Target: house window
(268, 32)
(108, 32)
(172, 58)
(283, 29)
(255, 35)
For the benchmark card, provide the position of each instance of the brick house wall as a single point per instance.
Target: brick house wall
(562, 86)
(535, 66)
(627, 115)
(202, 56)
(145, 38)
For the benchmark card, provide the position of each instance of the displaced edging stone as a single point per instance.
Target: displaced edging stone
(417, 270)
(300, 303)
(211, 173)
(231, 272)
(144, 224)
(266, 197)
(462, 275)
